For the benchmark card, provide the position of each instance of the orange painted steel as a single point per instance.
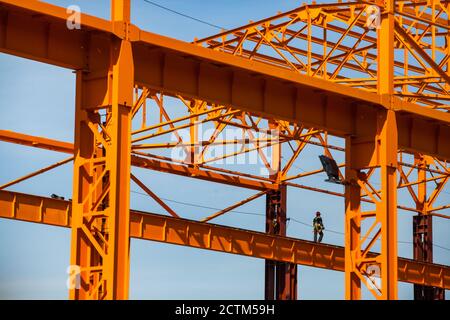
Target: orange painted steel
(228, 177)
(177, 67)
(342, 44)
(36, 142)
(391, 106)
(198, 173)
(166, 229)
(383, 218)
(148, 163)
(102, 164)
(38, 172)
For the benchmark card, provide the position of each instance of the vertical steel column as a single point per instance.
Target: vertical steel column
(379, 153)
(423, 233)
(83, 253)
(447, 39)
(101, 187)
(280, 277)
(273, 210)
(388, 146)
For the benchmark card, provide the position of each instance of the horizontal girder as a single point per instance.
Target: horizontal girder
(154, 227)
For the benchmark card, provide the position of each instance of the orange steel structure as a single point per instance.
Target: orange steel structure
(165, 229)
(286, 83)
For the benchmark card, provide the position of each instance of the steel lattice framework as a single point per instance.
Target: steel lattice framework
(333, 42)
(286, 83)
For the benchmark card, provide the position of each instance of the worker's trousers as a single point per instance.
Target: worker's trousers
(320, 235)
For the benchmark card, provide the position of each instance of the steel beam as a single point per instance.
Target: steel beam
(37, 142)
(280, 277)
(423, 233)
(198, 173)
(387, 139)
(352, 225)
(378, 150)
(382, 218)
(202, 172)
(166, 229)
(146, 163)
(177, 67)
(104, 53)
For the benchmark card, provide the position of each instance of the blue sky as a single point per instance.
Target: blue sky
(38, 99)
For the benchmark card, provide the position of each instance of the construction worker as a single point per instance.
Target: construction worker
(318, 227)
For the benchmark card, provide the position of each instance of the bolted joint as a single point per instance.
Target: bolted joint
(388, 101)
(125, 30)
